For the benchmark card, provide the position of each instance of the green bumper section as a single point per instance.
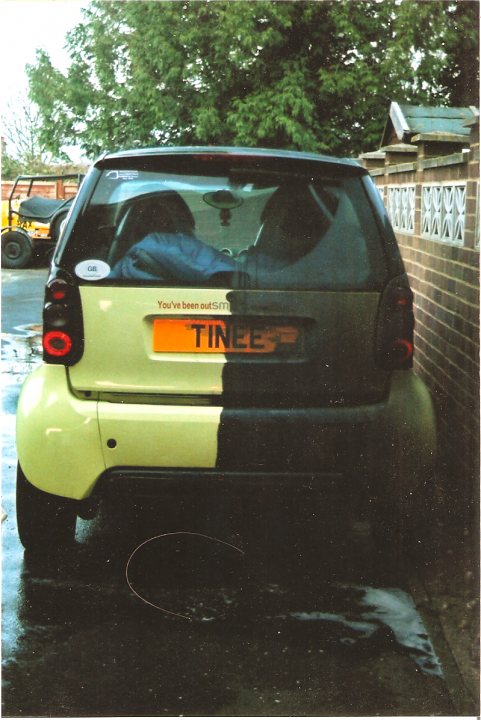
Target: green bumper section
(58, 439)
(404, 445)
(64, 443)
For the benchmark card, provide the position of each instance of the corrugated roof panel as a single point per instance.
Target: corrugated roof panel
(439, 125)
(437, 119)
(413, 111)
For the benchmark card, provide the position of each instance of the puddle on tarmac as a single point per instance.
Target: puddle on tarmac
(22, 351)
(351, 615)
(392, 608)
(379, 616)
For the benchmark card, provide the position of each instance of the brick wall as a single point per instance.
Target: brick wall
(434, 206)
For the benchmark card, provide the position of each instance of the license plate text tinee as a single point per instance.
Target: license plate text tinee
(206, 335)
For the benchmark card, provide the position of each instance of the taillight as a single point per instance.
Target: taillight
(62, 322)
(58, 289)
(57, 343)
(395, 332)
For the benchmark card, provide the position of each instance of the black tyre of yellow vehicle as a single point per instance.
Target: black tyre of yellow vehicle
(16, 249)
(56, 225)
(44, 521)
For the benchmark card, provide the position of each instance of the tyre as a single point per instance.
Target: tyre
(56, 225)
(16, 249)
(45, 521)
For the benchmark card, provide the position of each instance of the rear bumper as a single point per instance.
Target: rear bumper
(152, 482)
(66, 445)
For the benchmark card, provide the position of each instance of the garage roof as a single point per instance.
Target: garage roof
(404, 121)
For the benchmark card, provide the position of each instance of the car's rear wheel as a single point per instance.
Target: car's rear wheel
(16, 249)
(44, 521)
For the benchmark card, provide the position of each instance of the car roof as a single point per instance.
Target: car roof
(228, 150)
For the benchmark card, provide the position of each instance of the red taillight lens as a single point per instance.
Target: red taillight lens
(402, 297)
(63, 341)
(57, 343)
(400, 352)
(395, 339)
(57, 290)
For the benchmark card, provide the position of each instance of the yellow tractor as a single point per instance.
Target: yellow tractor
(31, 224)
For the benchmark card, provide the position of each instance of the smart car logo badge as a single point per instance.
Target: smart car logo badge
(92, 270)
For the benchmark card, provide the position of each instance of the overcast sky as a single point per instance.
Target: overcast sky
(28, 25)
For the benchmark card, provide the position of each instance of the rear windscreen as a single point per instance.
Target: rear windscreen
(243, 228)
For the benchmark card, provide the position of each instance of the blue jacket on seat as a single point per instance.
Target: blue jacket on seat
(172, 257)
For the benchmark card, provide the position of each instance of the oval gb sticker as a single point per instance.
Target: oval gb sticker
(92, 269)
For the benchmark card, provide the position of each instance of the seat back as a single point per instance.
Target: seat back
(165, 212)
(293, 222)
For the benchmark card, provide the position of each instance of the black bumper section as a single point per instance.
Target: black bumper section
(153, 482)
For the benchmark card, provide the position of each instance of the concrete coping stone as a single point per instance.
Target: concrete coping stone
(442, 161)
(445, 137)
(399, 148)
(401, 167)
(374, 155)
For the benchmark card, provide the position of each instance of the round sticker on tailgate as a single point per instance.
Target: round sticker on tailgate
(92, 269)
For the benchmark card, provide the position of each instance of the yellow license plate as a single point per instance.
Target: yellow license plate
(225, 335)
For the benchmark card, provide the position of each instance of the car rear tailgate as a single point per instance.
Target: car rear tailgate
(293, 348)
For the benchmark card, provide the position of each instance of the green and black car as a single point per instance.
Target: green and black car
(223, 315)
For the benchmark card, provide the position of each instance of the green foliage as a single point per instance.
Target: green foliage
(302, 75)
(11, 167)
(461, 76)
(23, 150)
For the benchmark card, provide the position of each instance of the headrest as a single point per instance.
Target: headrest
(292, 223)
(161, 212)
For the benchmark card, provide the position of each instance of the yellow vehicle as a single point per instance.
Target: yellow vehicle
(11, 220)
(31, 224)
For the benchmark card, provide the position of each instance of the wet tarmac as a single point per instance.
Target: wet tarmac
(209, 605)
